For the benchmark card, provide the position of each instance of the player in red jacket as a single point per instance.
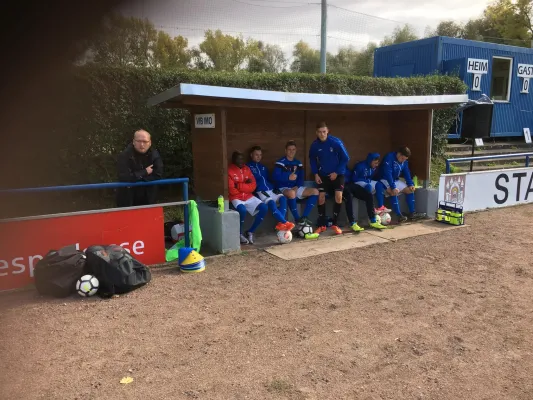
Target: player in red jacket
(241, 186)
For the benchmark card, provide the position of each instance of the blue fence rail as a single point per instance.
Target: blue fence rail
(115, 185)
(449, 161)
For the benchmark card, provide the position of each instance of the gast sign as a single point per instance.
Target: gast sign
(488, 189)
(525, 71)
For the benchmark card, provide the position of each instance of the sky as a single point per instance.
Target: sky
(284, 22)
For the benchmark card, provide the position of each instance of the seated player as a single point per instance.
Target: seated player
(288, 177)
(363, 175)
(359, 184)
(264, 190)
(394, 165)
(241, 186)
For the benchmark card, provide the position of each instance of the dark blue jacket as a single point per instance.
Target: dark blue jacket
(261, 176)
(391, 170)
(283, 169)
(328, 156)
(362, 171)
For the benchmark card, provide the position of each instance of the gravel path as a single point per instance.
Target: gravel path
(446, 316)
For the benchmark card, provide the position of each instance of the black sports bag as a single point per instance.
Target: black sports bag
(117, 271)
(57, 273)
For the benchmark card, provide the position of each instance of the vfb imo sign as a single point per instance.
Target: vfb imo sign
(204, 120)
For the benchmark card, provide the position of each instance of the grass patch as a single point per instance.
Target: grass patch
(279, 386)
(173, 213)
(285, 389)
(438, 167)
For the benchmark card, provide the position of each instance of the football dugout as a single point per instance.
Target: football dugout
(225, 119)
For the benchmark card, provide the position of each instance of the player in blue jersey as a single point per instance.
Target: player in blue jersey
(360, 184)
(265, 190)
(394, 165)
(288, 177)
(328, 158)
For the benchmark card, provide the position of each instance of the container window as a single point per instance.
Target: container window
(500, 85)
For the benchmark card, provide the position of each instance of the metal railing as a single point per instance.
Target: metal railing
(114, 185)
(449, 161)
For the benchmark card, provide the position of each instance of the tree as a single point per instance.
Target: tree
(364, 64)
(200, 60)
(448, 28)
(473, 29)
(123, 41)
(503, 21)
(267, 58)
(171, 52)
(524, 9)
(224, 52)
(511, 20)
(400, 35)
(344, 61)
(306, 59)
(354, 62)
(274, 58)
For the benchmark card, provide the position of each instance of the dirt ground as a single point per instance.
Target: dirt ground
(445, 316)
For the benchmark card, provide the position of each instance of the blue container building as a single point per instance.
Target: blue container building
(500, 71)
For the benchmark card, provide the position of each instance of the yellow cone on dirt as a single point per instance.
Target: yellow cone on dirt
(190, 260)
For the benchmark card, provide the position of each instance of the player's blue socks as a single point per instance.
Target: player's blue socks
(262, 210)
(294, 209)
(380, 194)
(395, 205)
(410, 197)
(283, 206)
(241, 209)
(277, 214)
(309, 205)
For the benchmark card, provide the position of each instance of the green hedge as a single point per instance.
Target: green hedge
(106, 105)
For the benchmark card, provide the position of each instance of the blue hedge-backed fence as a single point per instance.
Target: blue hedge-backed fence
(114, 185)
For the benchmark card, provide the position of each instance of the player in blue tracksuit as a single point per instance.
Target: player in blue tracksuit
(288, 177)
(265, 190)
(360, 184)
(328, 158)
(394, 165)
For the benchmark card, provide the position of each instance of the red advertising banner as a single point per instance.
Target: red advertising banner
(23, 243)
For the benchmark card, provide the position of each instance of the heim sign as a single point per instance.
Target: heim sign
(476, 191)
(25, 241)
(477, 66)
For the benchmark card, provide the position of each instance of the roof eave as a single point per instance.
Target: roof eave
(163, 97)
(185, 95)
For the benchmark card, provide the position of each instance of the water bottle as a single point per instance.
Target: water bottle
(221, 204)
(415, 181)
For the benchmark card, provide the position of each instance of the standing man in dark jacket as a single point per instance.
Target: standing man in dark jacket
(328, 158)
(139, 162)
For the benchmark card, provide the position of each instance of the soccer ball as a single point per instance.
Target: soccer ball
(385, 219)
(87, 285)
(304, 230)
(284, 237)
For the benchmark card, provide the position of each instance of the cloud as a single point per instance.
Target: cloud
(272, 22)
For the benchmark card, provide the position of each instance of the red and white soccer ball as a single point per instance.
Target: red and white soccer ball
(284, 237)
(385, 219)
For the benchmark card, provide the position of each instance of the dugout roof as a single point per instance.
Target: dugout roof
(240, 118)
(186, 94)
